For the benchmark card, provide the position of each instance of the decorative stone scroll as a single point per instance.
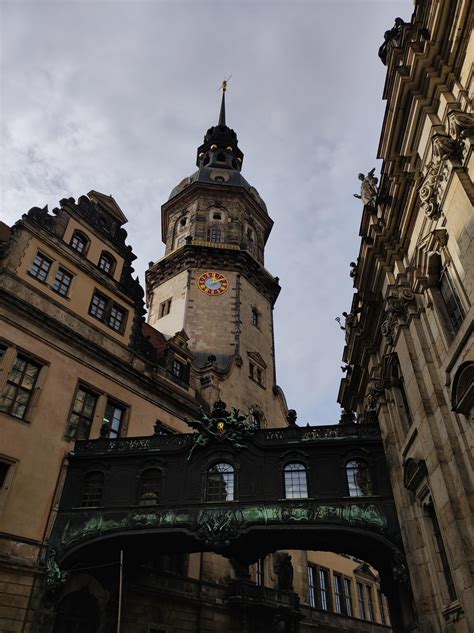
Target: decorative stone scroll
(396, 313)
(444, 148)
(461, 125)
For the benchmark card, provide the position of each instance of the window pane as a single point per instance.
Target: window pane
(150, 487)
(220, 483)
(19, 387)
(4, 468)
(106, 263)
(40, 267)
(79, 242)
(98, 306)
(62, 282)
(116, 318)
(113, 416)
(92, 490)
(295, 481)
(82, 414)
(451, 299)
(338, 592)
(358, 479)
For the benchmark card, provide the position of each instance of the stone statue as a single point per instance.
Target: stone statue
(368, 189)
(291, 417)
(284, 570)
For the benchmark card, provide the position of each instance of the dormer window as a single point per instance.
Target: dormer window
(79, 242)
(107, 263)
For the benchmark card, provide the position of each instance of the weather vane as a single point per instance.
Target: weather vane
(224, 84)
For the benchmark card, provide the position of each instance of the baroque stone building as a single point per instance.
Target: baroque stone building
(409, 332)
(111, 511)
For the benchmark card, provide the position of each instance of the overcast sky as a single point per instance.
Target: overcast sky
(117, 95)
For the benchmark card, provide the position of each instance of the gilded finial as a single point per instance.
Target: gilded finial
(224, 84)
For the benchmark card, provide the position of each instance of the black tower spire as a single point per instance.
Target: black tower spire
(219, 149)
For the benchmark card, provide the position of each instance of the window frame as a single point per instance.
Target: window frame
(320, 597)
(112, 432)
(451, 299)
(36, 275)
(89, 474)
(17, 387)
(233, 486)
(287, 480)
(88, 391)
(104, 256)
(77, 233)
(60, 269)
(351, 485)
(165, 308)
(107, 311)
(158, 489)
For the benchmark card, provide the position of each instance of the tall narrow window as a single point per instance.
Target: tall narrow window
(151, 481)
(260, 573)
(107, 263)
(255, 318)
(114, 414)
(40, 267)
(82, 414)
(116, 318)
(361, 600)
(358, 478)
(347, 591)
(62, 282)
(220, 483)
(214, 234)
(319, 588)
(451, 300)
(17, 393)
(165, 307)
(79, 242)
(92, 490)
(383, 615)
(296, 485)
(4, 468)
(370, 603)
(338, 593)
(442, 553)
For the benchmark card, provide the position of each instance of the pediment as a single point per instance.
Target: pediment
(257, 359)
(108, 203)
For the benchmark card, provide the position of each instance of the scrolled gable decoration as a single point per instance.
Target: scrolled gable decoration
(444, 149)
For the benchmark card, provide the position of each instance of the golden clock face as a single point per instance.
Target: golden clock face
(213, 283)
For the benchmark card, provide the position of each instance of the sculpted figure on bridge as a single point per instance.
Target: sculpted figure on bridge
(284, 571)
(220, 426)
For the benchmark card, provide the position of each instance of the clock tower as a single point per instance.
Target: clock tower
(212, 283)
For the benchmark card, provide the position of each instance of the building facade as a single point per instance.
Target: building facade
(409, 333)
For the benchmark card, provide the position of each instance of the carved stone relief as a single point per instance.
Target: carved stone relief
(439, 168)
(396, 312)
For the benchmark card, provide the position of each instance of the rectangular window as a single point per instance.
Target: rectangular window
(82, 414)
(361, 601)
(114, 416)
(62, 282)
(165, 308)
(338, 593)
(19, 388)
(442, 553)
(40, 267)
(451, 300)
(179, 371)
(108, 312)
(370, 603)
(383, 616)
(252, 371)
(4, 468)
(347, 589)
(259, 573)
(319, 588)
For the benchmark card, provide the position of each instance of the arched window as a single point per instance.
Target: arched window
(107, 263)
(92, 490)
(214, 234)
(79, 242)
(296, 483)
(151, 481)
(358, 478)
(220, 483)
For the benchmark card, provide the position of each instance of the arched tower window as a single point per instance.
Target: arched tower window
(220, 482)
(296, 482)
(92, 490)
(107, 263)
(151, 481)
(79, 242)
(358, 478)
